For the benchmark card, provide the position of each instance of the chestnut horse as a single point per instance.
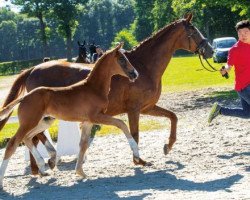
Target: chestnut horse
(85, 101)
(150, 58)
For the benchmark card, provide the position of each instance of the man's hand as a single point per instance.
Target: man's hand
(224, 72)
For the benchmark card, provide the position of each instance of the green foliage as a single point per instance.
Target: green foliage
(143, 22)
(14, 67)
(162, 13)
(126, 37)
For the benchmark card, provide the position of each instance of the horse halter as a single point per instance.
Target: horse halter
(200, 49)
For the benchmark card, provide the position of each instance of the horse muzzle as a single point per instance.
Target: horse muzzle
(133, 75)
(206, 51)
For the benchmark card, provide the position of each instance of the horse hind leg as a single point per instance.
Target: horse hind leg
(83, 146)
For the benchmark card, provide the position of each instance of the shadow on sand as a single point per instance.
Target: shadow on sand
(111, 187)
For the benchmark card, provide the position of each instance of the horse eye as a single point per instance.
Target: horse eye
(122, 61)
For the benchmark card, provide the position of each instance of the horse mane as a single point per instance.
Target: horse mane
(154, 36)
(98, 62)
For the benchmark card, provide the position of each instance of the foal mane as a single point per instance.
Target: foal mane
(99, 62)
(155, 35)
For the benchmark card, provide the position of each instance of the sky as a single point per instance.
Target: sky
(4, 3)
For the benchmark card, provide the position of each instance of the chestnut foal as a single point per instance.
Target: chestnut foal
(85, 101)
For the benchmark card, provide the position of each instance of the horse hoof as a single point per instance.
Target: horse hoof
(166, 149)
(139, 161)
(35, 172)
(81, 173)
(51, 163)
(45, 173)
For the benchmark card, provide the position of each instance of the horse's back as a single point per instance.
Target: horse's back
(57, 74)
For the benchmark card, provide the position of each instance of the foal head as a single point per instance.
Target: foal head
(121, 64)
(192, 39)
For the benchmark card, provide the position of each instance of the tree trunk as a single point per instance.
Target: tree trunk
(44, 37)
(69, 46)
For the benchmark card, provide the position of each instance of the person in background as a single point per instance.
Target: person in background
(239, 58)
(98, 54)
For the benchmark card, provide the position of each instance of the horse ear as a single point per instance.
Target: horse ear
(78, 43)
(188, 17)
(118, 46)
(84, 42)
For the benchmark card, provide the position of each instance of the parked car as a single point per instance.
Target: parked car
(221, 47)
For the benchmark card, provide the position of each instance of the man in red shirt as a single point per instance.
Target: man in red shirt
(239, 57)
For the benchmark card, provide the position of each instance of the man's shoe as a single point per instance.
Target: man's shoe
(215, 111)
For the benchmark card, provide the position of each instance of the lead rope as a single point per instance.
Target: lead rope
(213, 69)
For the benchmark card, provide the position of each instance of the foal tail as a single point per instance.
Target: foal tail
(16, 90)
(7, 110)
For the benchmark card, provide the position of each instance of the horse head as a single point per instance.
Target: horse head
(193, 40)
(82, 51)
(124, 67)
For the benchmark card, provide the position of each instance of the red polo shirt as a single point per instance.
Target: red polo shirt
(239, 57)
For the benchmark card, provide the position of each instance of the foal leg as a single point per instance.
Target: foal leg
(37, 156)
(83, 146)
(33, 166)
(10, 150)
(108, 120)
(161, 112)
(44, 124)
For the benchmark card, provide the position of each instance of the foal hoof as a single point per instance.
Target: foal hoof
(139, 161)
(45, 173)
(166, 149)
(35, 172)
(51, 163)
(80, 172)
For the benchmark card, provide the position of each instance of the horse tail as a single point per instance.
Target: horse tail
(17, 89)
(7, 110)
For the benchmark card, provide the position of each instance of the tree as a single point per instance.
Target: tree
(127, 37)
(144, 19)
(36, 8)
(163, 13)
(8, 30)
(66, 12)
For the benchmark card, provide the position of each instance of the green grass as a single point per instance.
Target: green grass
(186, 73)
(182, 74)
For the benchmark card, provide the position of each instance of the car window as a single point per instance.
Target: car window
(226, 43)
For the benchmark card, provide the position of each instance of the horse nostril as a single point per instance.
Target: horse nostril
(133, 74)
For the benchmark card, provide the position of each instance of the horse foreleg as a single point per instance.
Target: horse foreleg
(37, 133)
(37, 156)
(108, 120)
(133, 118)
(83, 146)
(161, 112)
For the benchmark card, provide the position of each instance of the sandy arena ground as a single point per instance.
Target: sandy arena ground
(207, 161)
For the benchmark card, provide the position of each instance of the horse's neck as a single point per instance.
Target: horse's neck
(100, 77)
(153, 57)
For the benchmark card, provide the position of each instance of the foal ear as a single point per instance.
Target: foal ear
(119, 46)
(188, 17)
